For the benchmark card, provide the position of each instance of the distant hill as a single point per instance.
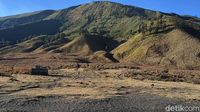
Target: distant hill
(130, 34)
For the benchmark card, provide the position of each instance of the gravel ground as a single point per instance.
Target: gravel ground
(133, 102)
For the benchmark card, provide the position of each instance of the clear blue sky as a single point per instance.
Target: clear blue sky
(183, 7)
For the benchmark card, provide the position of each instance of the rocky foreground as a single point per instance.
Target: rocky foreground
(87, 90)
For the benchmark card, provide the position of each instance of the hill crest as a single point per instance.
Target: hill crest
(130, 34)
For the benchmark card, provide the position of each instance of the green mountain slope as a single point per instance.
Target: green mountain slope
(13, 21)
(47, 27)
(131, 34)
(115, 20)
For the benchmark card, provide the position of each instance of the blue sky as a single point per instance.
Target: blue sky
(183, 7)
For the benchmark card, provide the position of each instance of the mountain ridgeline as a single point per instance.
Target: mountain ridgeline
(126, 33)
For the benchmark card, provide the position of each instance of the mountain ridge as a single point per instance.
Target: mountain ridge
(128, 33)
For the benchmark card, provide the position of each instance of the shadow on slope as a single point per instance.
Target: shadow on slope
(46, 27)
(88, 44)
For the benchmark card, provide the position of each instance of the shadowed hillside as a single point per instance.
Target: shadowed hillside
(17, 34)
(13, 21)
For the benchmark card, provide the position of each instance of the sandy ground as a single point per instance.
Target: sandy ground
(83, 90)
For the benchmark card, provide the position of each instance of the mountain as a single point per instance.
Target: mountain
(88, 44)
(98, 29)
(21, 19)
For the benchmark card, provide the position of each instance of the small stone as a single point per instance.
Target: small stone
(152, 85)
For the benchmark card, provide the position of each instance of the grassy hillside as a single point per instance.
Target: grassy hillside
(13, 21)
(88, 44)
(176, 49)
(114, 21)
(103, 30)
(17, 34)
